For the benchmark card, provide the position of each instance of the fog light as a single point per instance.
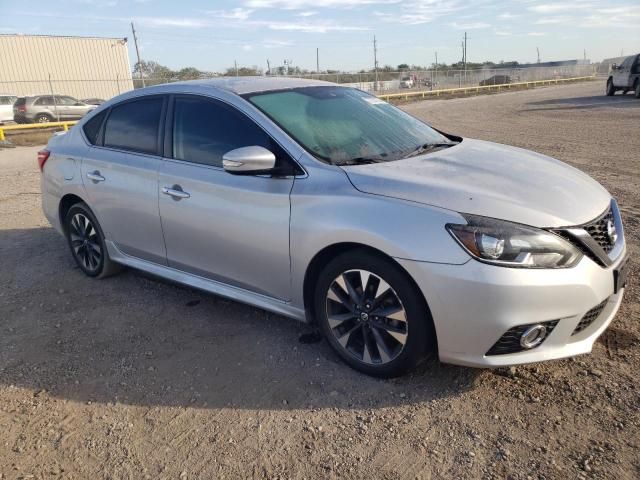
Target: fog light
(533, 336)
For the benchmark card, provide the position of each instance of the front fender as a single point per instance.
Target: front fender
(399, 228)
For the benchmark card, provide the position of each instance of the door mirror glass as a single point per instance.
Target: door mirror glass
(249, 161)
(614, 66)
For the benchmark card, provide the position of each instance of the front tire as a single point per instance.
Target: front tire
(86, 241)
(611, 90)
(637, 89)
(373, 315)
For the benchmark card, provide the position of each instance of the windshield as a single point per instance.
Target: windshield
(343, 125)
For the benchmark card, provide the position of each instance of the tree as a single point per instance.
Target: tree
(152, 70)
(403, 66)
(189, 73)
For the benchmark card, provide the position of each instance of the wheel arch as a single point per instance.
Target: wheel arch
(331, 251)
(66, 202)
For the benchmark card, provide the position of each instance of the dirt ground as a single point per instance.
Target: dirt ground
(132, 377)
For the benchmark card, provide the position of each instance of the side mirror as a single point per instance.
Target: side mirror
(252, 160)
(614, 66)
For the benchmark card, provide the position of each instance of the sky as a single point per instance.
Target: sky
(212, 35)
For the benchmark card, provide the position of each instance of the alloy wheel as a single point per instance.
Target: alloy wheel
(85, 242)
(366, 317)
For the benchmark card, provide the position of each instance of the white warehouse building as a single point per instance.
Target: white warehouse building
(83, 67)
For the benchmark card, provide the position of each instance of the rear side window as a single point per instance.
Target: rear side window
(134, 125)
(92, 127)
(204, 130)
(20, 101)
(44, 101)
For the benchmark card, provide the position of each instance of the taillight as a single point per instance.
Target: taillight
(43, 156)
(22, 108)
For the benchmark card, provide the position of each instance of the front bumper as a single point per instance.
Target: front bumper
(474, 304)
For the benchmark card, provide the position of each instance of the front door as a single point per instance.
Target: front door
(229, 228)
(621, 74)
(120, 175)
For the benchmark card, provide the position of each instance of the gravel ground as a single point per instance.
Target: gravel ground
(135, 378)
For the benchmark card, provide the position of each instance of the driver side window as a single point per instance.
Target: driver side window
(204, 130)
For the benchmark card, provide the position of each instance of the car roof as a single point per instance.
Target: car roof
(242, 85)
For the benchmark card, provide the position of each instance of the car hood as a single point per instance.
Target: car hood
(489, 179)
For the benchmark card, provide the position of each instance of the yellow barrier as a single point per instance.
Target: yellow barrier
(30, 126)
(478, 88)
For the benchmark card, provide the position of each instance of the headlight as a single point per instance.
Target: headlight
(512, 245)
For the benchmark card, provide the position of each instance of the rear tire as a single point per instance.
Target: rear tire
(43, 118)
(611, 90)
(86, 242)
(637, 89)
(382, 328)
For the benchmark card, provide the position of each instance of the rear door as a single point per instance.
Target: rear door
(120, 175)
(229, 228)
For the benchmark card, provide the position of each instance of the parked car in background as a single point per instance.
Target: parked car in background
(49, 108)
(625, 76)
(406, 82)
(496, 80)
(93, 101)
(426, 82)
(6, 107)
(397, 240)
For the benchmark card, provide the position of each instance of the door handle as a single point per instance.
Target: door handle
(95, 177)
(175, 192)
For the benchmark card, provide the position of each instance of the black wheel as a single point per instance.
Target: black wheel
(43, 118)
(636, 90)
(372, 314)
(86, 242)
(610, 88)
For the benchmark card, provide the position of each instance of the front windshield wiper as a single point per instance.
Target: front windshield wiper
(359, 161)
(420, 149)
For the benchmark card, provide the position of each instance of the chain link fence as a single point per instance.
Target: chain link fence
(383, 82)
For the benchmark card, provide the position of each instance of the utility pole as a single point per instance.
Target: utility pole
(465, 57)
(235, 64)
(135, 41)
(268, 67)
(436, 73)
(317, 60)
(538, 50)
(375, 62)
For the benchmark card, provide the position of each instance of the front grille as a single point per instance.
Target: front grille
(590, 317)
(510, 341)
(598, 230)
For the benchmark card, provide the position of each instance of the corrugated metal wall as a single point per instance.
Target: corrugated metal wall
(77, 66)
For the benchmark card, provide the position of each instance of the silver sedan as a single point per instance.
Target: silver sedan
(328, 205)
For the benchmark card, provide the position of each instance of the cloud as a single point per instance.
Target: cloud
(317, 27)
(172, 22)
(502, 33)
(554, 20)
(553, 7)
(270, 43)
(508, 16)
(307, 13)
(536, 34)
(233, 14)
(300, 4)
(469, 25)
(247, 48)
(420, 12)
